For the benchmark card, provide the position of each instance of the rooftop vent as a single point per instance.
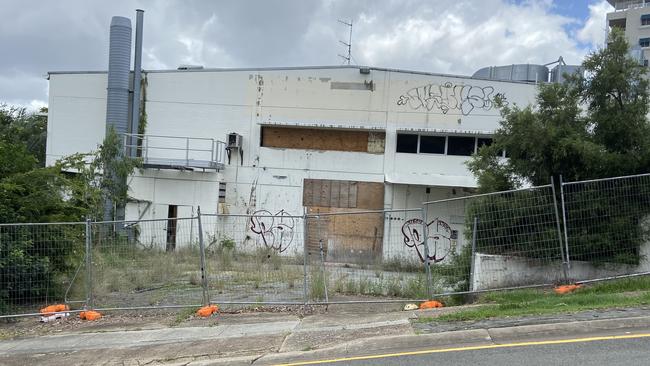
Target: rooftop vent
(190, 67)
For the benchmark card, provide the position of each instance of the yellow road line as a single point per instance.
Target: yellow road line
(472, 348)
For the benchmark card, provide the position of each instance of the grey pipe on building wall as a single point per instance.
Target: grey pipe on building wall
(117, 97)
(119, 67)
(137, 69)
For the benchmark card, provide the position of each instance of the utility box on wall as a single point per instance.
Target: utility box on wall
(234, 140)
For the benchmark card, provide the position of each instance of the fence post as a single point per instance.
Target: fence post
(89, 266)
(559, 232)
(204, 278)
(305, 259)
(566, 228)
(425, 241)
(322, 260)
(473, 257)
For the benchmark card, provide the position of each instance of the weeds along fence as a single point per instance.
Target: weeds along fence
(607, 224)
(495, 241)
(39, 264)
(539, 236)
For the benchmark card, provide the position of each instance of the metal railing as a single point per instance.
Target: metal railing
(631, 4)
(175, 151)
(539, 236)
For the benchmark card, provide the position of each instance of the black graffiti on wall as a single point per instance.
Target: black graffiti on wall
(275, 231)
(451, 97)
(439, 239)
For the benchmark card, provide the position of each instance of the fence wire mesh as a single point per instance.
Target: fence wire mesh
(587, 230)
(255, 258)
(146, 263)
(365, 256)
(41, 264)
(492, 241)
(607, 226)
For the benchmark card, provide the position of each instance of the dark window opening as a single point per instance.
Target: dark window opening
(482, 141)
(222, 192)
(645, 19)
(461, 146)
(432, 144)
(407, 143)
(172, 214)
(644, 42)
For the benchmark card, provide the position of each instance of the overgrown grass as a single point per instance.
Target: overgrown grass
(318, 284)
(620, 293)
(413, 287)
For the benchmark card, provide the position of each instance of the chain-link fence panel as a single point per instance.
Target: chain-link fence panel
(495, 241)
(365, 256)
(148, 263)
(41, 264)
(607, 224)
(256, 258)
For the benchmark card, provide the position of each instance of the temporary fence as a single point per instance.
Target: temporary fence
(496, 240)
(607, 224)
(41, 264)
(538, 236)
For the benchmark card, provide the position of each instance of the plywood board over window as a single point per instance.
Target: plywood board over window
(323, 139)
(347, 237)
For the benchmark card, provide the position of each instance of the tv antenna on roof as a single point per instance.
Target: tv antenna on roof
(346, 59)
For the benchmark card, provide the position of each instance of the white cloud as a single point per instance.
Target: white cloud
(446, 36)
(485, 33)
(594, 30)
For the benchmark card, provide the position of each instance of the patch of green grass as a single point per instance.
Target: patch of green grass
(318, 284)
(620, 293)
(183, 315)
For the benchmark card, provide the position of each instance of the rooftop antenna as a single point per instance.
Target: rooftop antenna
(346, 59)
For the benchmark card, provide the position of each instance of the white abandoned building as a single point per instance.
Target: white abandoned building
(295, 140)
(317, 138)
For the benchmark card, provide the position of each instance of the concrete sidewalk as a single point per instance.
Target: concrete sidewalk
(276, 338)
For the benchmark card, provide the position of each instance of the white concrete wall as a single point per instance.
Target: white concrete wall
(443, 218)
(496, 271)
(76, 120)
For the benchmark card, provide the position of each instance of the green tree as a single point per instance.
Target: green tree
(25, 128)
(594, 125)
(34, 259)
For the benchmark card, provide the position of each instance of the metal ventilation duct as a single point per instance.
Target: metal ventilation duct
(557, 73)
(119, 62)
(517, 72)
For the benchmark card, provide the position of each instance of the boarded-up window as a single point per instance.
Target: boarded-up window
(323, 139)
(330, 193)
(343, 194)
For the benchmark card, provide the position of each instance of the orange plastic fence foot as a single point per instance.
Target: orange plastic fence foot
(89, 315)
(50, 310)
(561, 290)
(206, 311)
(431, 304)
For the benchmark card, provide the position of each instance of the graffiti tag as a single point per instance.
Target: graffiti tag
(448, 96)
(275, 231)
(439, 239)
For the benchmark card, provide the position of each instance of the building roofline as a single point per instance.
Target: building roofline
(284, 68)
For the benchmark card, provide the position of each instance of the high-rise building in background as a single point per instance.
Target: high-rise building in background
(633, 17)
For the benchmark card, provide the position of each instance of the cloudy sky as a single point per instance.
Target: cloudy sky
(446, 36)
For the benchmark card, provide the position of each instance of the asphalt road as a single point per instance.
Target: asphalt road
(584, 352)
